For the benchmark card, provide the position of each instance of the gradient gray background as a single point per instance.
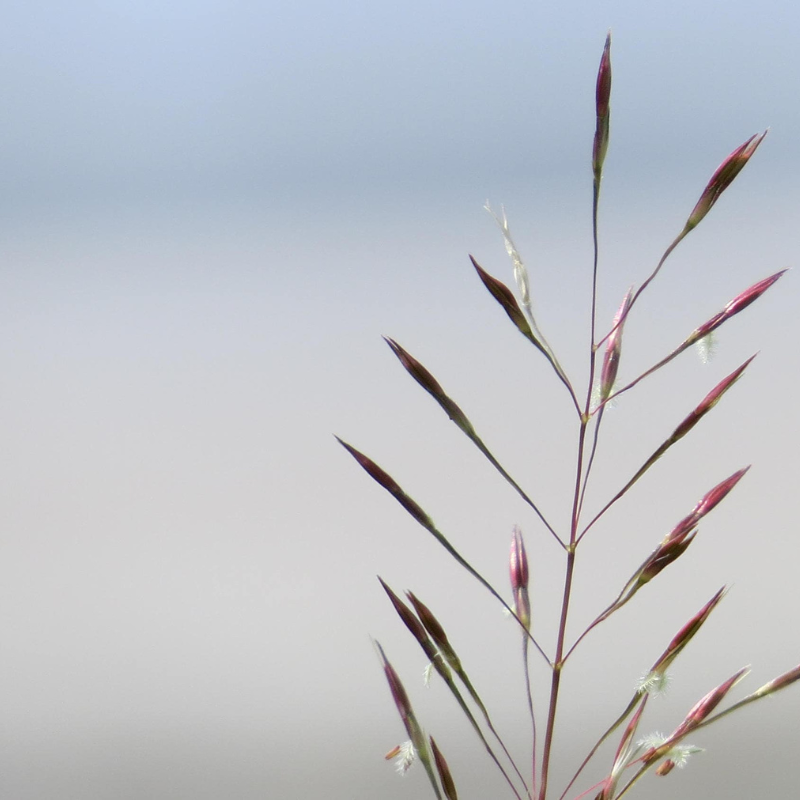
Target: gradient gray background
(210, 212)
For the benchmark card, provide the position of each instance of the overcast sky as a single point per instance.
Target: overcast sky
(211, 212)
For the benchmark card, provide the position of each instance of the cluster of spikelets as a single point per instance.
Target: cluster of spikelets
(635, 754)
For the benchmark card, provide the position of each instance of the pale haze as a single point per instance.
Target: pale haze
(210, 214)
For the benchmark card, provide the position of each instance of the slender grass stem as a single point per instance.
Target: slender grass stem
(556, 678)
(647, 282)
(562, 626)
(526, 666)
(496, 464)
(664, 361)
(630, 784)
(614, 725)
(595, 439)
(638, 474)
(615, 606)
(592, 360)
(478, 702)
(487, 746)
(580, 486)
(595, 259)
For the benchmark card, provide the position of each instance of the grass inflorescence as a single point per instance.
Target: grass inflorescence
(636, 753)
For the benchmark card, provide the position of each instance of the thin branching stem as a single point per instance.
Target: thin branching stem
(526, 666)
(562, 626)
(490, 725)
(689, 732)
(475, 574)
(595, 259)
(664, 361)
(580, 487)
(557, 368)
(550, 355)
(604, 615)
(556, 678)
(592, 362)
(630, 784)
(614, 725)
(638, 474)
(592, 453)
(647, 282)
(487, 746)
(496, 464)
(581, 490)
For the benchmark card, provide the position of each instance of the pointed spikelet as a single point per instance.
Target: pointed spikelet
(518, 570)
(739, 303)
(685, 635)
(399, 695)
(405, 614)
(707, 704)
(781, 682)
(699, 712)
(603, 110)
(710, 500)
(412, 726)
(448, 785)
(420, 634)
(667, 552)
(625, 751)
(436, 631)
(431, 386)
(508, 303)
(387, 482)
(715, 496)
(708, 402)
(748, 296)
(723, 177)
(608, 375)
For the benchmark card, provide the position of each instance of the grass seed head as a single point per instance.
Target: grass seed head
(666, 553)
(739, 303)
(505, 298)
(518, 570)
(701, 710)
(603, 110)
(686, 634)
(608, 375)
(436, 631)
(446, 777)
(387, 482)
(781, 682)
(405, 614)
(707, 503)
(424, 378)
(708, 402)
(714, 497)
(725, 174)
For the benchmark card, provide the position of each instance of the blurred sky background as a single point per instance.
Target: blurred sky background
(211, 211)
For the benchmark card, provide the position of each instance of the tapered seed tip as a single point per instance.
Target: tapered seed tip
(781, 682)
(350, 449)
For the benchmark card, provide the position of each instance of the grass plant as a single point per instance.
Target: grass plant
(634, 755)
